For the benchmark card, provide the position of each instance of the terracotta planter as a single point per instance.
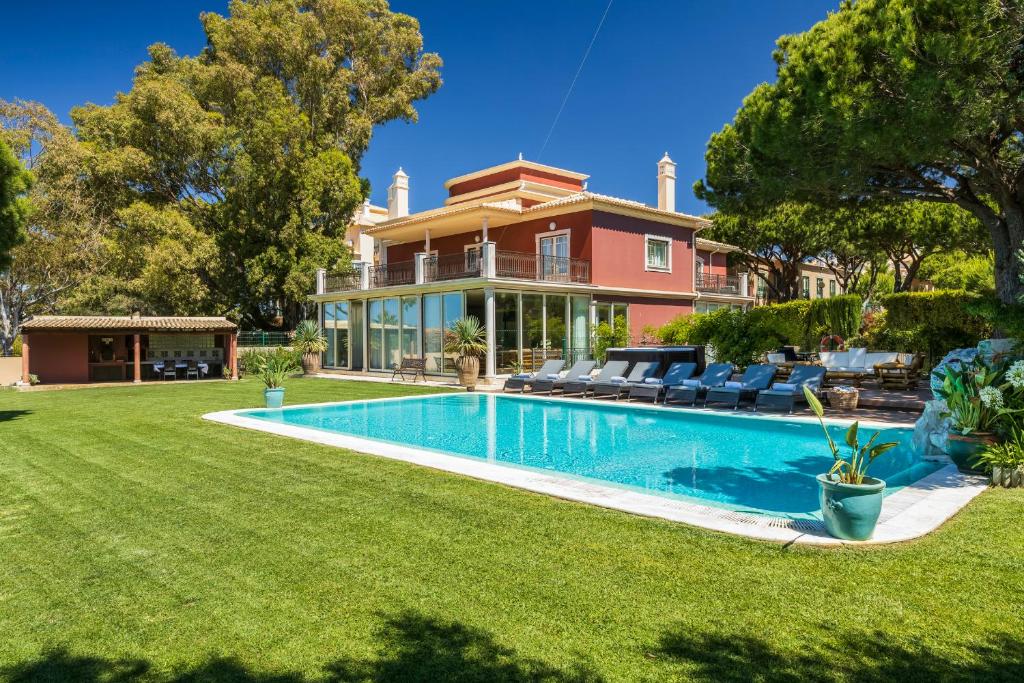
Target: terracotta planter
(963, 449)
(468, 369)
(310, 363)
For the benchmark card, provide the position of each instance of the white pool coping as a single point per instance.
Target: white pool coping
(909, 513)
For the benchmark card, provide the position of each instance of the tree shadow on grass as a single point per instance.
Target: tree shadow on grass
(8, 415)
(868, 656)
(412, 647)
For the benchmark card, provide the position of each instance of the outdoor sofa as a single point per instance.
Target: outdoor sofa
(581, 385)
(619, 386)
(547, 385)
(784, 395)
(519, 382)
(653, 387)
(714, 375)
(755, 379)
(853, 365)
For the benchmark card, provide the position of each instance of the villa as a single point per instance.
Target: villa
(532, 253)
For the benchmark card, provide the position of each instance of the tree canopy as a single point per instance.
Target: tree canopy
(891, 100)
(14, 183)
(230, 177)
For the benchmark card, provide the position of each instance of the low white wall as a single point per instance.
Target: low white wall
(10, 369)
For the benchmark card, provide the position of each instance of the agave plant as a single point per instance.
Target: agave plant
(854, 469)
(466, 338)
(308, 338)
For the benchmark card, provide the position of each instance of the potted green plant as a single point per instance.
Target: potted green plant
(273, 371)
(975, 405)
(850, 500)
(466, 340)
(310, 342)
(1005, 460)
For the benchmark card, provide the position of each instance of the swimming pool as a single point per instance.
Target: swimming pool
(739, 462)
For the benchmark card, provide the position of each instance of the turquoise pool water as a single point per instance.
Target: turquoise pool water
(760, 465)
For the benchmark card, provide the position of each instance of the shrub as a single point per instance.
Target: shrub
(605, 338)
(837, 315)
(932, 322)
(16, 346)
(740, 337)
(254, 361)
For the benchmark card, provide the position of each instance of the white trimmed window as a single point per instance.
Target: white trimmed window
(658, 252)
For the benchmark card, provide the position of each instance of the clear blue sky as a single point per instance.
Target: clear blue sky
(661, 76)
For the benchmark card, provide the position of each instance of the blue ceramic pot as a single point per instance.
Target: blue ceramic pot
(850, 511)
(274, 397)
(963, 450)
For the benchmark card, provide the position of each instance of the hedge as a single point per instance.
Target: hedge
(931, 322)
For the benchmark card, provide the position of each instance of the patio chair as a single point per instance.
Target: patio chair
(619, 386)
(654, 387)
(903, 373)
(714, 375)
(519, 382)
(546, 385)
(192, 371)
(784, 395)
(755, 378)
(170, 369)
(581, 385)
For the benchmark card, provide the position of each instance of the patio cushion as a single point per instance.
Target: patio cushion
(734, 385)
(879, 357)
(553, 375)
(585, 378)
(618, 379)
(784, 386)
(522, 375)
(833, 360)
(652, 380)
(691, 383)
(857, 357)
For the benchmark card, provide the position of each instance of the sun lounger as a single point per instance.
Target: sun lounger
(550, 369)
(715, 375)
(581, 385)
(546, 385)
(755, 378)
(619, 386)
(653, 387)
(784, 395)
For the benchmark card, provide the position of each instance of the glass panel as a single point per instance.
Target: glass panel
(557, 342)
(533, 331)
(831, 287)
(432, 332)
(453, 306)
(392, 350)
(376, 314)
(341, 334)
(580, 337)
(328, 328)
(820, 286)
(603, 312)
(657, 254)
(506, 331)
(411, 326)
(356, 332)
(475, 308)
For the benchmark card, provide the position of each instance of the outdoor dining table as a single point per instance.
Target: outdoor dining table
(204, 368)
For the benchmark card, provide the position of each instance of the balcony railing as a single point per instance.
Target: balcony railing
(451, 266)
(718, 284)
(391, 274)
(526, 266)
(342, 282)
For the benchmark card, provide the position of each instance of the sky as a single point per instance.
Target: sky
(661, 76)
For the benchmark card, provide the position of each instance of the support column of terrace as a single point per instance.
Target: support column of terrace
(137, 363)
(24, 360)
(489, 318)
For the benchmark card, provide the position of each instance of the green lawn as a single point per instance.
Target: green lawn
(139, 542)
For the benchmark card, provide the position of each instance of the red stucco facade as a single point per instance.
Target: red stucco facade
(59, 358)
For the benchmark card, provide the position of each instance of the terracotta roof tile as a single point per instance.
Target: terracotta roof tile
(124, 322)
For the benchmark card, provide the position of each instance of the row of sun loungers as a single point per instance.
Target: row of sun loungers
(677, 386)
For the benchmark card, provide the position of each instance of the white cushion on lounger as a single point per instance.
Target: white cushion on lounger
(522, 375)
(585, 378)
(652, 380)
(554, 375)
(734, 385)
(691, 383)
(784, 386)
(618, 379)
(857, 357)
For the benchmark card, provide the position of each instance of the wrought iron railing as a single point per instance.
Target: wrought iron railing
(342, 282)
(391, 274)
(718, 284)
(451, 266)
(526, 266)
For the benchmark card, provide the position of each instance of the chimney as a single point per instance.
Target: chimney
(398, 196)
(666, 184)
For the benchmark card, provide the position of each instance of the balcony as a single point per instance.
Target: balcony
(471, 264)
(728, 285)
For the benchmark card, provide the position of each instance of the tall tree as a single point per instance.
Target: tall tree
(14, 183)
(231, 176)
(775, 242)
(891, 99)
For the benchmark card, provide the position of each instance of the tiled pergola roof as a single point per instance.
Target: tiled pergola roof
(114, 323)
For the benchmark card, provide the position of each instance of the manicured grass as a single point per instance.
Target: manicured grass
(139, 542)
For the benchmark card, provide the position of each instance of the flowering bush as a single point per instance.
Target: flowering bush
(984, 396)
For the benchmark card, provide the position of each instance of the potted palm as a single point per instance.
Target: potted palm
(465, 339)
(310, 342)
(850, 500)
(273, 372)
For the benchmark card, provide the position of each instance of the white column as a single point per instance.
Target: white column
(489, 317)
(426, 242)
(321, 279)
(485, 229)
(418, 267)
(363, 268)
(744, 284)
(488, 260)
